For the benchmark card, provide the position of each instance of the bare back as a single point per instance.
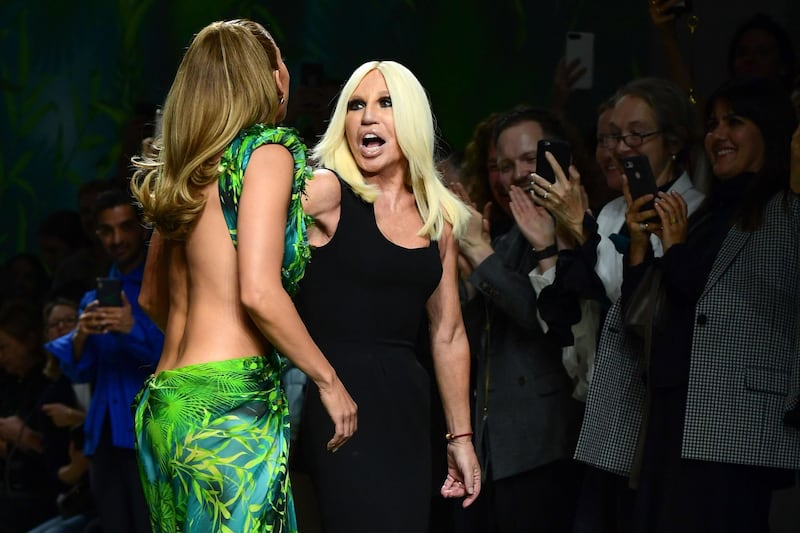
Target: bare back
(209, 322)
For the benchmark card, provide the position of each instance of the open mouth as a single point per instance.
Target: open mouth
(372, 141)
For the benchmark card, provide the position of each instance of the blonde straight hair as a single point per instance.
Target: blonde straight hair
(416, 136)
(224, 83)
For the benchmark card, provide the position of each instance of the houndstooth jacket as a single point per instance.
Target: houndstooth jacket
(745, 360)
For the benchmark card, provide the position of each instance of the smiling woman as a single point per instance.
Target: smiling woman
(709, 444)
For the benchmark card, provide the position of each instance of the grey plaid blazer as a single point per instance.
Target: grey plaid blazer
(745, 360)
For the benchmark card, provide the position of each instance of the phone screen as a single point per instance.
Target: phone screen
(560, 150)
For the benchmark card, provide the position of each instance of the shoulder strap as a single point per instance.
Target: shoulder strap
(232, 166)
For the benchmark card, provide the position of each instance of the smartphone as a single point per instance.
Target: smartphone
(580, 45)
(159, 120)
(681, 8)
(559, 149)
(109, 292)
(641, 180)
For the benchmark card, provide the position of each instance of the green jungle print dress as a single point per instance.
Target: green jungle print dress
(213, 438)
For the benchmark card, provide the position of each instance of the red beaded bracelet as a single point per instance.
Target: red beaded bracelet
(450, 437)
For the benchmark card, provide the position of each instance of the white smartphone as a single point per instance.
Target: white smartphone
(159, 123)
(580, 45)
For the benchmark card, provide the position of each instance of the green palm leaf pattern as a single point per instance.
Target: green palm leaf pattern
(213, 442)
(213, 438)
(232, 166)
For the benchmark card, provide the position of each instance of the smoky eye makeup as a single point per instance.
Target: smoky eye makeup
(355, 104)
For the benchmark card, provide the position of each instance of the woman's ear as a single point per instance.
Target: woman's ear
(674, 145)
(279, 86)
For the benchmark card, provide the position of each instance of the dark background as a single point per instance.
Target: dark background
(80, 81)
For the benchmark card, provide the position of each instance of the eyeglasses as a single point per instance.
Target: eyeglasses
(631, 140)
(63, 322)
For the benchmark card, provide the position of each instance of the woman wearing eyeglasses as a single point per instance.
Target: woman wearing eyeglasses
(650, 117)
(698, 419)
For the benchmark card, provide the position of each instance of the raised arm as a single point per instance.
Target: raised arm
(451, 363)
(666, 23)
(261, 225)
(154, 294)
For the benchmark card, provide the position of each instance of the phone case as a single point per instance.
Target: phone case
(108, 292)
(561, 151)
(641, 180)
(580, 45)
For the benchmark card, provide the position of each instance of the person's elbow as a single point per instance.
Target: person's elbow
(258, 298)
(146, 303)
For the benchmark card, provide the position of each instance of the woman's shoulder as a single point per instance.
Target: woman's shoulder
(784, 206)
(323, 192)
(259, 135)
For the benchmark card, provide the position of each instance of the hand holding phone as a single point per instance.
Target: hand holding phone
(109, 292)
(641, 180)
(560, 150)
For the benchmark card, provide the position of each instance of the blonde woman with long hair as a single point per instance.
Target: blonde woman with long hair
(228, 250)
(383, 262)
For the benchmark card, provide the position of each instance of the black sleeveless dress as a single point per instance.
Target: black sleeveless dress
(363, 300)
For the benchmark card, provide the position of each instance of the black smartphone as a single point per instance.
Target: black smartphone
(109, 292)
(681, 8)
(641, 180)
(560, 150)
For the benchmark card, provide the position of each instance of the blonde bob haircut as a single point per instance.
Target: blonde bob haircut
(414, 128)
(224, 83)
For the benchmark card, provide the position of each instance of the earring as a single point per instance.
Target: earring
(674, 157)
(282, 100)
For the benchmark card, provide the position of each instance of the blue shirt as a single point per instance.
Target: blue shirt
(116, 363)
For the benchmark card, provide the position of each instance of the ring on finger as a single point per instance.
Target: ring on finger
(545, 195)
(673, 221)
(643, 225)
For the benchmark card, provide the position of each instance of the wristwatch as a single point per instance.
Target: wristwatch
(544, 253)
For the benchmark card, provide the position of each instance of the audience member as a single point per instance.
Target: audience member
(588, 274)
(760, 47)
(78, 272)
(32, 448)
(24, 277)
(687, 402)
(479, 171)
(60, 318)
(75, 505)
(115, 348)
(60, 235)
(525, 418)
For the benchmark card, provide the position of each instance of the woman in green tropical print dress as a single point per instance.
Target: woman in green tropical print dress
(228, 249)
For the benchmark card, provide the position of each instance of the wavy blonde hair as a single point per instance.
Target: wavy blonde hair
(224, 83)
(415, 130)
